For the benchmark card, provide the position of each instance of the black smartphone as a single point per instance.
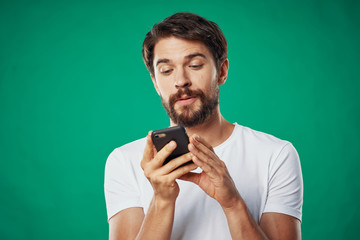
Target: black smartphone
(163, 136)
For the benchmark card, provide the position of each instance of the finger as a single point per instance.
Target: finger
(191, 177)
(208, 169)
(161, 156)
(181, 171)
(175, 163)
(196, 152)
(148, 152)
(151, 140)
(204, 148)
(208, 156)
(203, 153)
(149, 149)
(198, 139)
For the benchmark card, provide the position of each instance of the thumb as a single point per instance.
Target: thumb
(191, 177)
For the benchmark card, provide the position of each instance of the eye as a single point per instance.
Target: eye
(196, 66)
(165, 70)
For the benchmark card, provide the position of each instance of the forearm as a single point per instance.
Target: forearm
(158, 221)
(241, 223)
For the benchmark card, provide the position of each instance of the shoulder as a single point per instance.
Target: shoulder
(261, 136)
(130, 148)
(129, 152)
(265, 148)
(276, 152)
(133, 147)
(260, 140)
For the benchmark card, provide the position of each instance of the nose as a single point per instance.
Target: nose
(182, 79)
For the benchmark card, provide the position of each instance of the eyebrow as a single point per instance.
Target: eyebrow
(162, 60)
(190, 56)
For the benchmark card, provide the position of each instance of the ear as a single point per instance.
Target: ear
(224, 68)
(155, 84)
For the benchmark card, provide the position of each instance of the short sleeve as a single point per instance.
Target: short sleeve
(285, 186)
(121, 188)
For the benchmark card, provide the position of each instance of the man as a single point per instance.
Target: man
(242, 184)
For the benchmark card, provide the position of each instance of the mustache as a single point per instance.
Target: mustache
(185, 91)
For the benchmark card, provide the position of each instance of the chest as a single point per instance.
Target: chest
(198, 216)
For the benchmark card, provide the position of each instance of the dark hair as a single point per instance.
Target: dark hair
(187, 26)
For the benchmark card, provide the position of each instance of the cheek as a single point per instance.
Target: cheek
(205, 80)
(164, 88)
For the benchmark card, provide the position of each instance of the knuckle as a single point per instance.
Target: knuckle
(223, 175)
(222, 164)
(156, 179)
(168, 181)
(157, 158)
(142, 165)
(147, 173)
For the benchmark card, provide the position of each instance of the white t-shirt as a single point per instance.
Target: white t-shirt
(265, 169)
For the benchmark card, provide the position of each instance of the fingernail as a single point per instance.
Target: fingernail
(172, 144)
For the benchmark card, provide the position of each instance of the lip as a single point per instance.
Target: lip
(184, 100)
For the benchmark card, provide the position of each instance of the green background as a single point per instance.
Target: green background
(73, 87)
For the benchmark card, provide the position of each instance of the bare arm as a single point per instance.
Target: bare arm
(280, 226)
(272, 225)
(216, 181)
(242, 224)
(126, 223)
(132, 223)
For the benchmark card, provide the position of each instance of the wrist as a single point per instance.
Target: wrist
(235, 206)
(162, 204)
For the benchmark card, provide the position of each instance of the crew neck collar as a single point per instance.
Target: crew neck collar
(229, 139)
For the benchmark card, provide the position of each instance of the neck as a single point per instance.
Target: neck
(215, 130)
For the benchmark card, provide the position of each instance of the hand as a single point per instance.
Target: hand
(215, 179)
(163, 177)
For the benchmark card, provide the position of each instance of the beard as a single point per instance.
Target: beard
(186, 115)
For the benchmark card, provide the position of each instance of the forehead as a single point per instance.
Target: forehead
(175, 49)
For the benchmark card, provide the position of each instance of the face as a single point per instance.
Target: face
(186, 80)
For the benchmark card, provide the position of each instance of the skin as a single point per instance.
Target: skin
(178, 64)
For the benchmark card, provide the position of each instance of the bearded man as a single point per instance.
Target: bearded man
(241, 183)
